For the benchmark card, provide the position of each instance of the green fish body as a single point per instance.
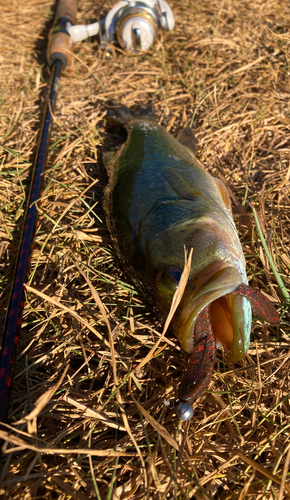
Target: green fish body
(159, 200)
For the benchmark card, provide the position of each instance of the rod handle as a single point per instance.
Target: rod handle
(68, 9)
(60, 43)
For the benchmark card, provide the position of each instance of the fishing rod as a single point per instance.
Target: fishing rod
(59, 49)
(133, 25)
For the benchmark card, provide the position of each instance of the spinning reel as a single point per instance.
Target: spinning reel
(131, 24)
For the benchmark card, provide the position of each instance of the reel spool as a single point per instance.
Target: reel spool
(132, 24)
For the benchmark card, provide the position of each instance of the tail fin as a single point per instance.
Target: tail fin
(123, 115)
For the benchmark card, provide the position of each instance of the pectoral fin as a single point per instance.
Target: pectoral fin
(185, 186)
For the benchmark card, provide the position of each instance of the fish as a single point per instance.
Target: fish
(159, 199)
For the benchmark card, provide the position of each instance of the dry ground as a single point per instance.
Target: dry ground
(225, 71)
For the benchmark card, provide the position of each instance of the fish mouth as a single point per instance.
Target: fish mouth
(230, 315)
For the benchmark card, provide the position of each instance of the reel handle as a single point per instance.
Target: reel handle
(60, 43)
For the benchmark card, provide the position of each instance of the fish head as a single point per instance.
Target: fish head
(230, 315)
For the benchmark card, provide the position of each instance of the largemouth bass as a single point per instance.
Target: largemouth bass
(160, 199)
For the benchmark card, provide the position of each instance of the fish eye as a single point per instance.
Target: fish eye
(174, 274)
(170, 278)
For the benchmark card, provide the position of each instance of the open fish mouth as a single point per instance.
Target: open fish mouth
(230, 302)
(230, 315)
(215, 317)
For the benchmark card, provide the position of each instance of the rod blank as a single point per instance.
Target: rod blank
(59, 45)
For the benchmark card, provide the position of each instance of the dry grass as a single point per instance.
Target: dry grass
(87, 420)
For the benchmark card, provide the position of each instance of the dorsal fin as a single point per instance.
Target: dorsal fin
(187, 138)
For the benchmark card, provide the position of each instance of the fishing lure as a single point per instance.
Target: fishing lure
(202, 359)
